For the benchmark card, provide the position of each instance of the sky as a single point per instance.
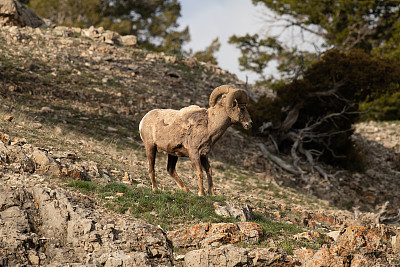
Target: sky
(208, 19)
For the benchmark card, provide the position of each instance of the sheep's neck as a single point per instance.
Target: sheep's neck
(218, 122)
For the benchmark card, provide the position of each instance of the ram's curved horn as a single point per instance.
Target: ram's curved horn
(220, 90)
(240, 96)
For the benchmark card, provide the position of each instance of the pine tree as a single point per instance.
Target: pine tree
(370, 25)
(207, 55)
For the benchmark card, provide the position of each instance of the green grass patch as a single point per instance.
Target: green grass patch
(163, 208)
(273, 229)
(282, 235)
(174, 209)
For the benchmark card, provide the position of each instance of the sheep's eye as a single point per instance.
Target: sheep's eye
(242, 109)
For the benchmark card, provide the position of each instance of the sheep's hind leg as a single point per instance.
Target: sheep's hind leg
(195, 158)
(207, 168)
(151, 157)
(171, 168)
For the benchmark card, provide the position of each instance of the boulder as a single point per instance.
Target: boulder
(128, 40)
(13, 13)
(353, 247)
(356, 238)
(396, 242)
(110, 37)
(361, 261)
(45, 164)
(19, 160)
(267, 257)
(206, 235)
(235, 209)
(191, 62)
(51, 227)
(228, 255)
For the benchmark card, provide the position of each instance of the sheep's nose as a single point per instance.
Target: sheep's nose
(248, 125)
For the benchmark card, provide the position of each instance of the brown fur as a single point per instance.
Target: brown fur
(189, 132)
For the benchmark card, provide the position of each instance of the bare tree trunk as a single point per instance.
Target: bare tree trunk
(277, 160)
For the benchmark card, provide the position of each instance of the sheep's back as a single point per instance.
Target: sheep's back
(163, 125)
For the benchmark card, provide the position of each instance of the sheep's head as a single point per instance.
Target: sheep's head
(235, 104)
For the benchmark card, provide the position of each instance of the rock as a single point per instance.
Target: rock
(112, 129)
(355, 238)
(305, 235)
(234, 209)
(189, 237)
(13, 13)
(221, 233)
(361, 261)
(74, 173)
(33, 257)
(3, 153)
(396, 242)
(221, 210)
(116, 259)
(212, 235)
(303, 254)
(171, 59)
(7, 117)
(126, 179)
(129, 40)
(228, 255)
(46, 165)
(91, 32)
(5, 138)
(66, 31)
(19, 161)
(334, 235)
(46, 110)
(252, 232)
(324, 257)
(266, 257)
(155, 56)
(52, 227)
(352, 246)
(191, 62)
(110, 37)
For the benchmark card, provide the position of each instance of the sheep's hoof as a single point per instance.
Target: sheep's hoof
(201, 193)
(211, 192)
(185, 189)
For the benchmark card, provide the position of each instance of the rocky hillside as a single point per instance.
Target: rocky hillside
(73, 175)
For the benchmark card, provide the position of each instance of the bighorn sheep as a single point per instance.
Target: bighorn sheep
(192, 131)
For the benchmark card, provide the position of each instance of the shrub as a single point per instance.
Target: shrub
(324, 104)
(385, 108)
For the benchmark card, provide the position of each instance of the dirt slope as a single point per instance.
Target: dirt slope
(70, 104)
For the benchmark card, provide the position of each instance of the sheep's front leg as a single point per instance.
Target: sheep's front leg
(207, 168)
(196, 163)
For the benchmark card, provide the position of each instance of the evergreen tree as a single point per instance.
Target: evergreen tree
(207, 55)
(313, 110)
(370, 25)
